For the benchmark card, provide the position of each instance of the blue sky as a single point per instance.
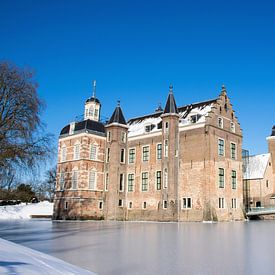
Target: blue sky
(135, 49)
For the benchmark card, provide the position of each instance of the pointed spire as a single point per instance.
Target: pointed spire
(170, 107)
(273, 131)
(117, 116)
(94, 88)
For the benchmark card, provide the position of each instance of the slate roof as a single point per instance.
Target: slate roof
(256, 167)
(89, 125)
(170, 107)
(93, 99)
(273, 131)
(117, 116)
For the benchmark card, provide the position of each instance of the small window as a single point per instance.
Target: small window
(158, 179)
(145, 153)
(220, 122)
(123, 137)
(131, 182)
(92, 180)
(108, 155)
(267, 183)
(165, 178)
(144, 205)
(93, 152)
(165, 204)
(121, 182)
(234, 203)
(221, 203)
(75, 180)
(226, 107)
(77, 151)
(221, 178)
(159, 151)
(130, 205)
(233, 150)
(234, 179)
(106, 181)
(166, 126)
(132, 155)
(122, 155)
(109, 136)
(144, 181)
(221, 147)
(186, 203)
(100, 205)
(232, 127)
(66, 205)
(120, 203)
(166, 148)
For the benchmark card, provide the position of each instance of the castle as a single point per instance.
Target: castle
(175, 164)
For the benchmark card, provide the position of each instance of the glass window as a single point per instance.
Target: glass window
(220, 122)
(122, 155)
(233, 150)
(132, 155)
(145, 153)
(158, 175)
(144, 205)
(186, 203)
(221, 147)
(108, 155)
(108, 136)
(62, 181)
(144, 181)
(120, 203)
(165, 205)
(232, 126)
(92, 180)
(221, 178)
(74, 179)
(77, 151)
(93, 152)
(166, 148)
(106, 181)
(234, 203)
(121, 182)
(221, 203)
(130, 182)
(63, 153)
(159, 151)
(234, 179)
(123, 137)
(165, 178)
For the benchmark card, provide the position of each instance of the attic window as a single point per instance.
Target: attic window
(149, 128)
(195, 118)
(159, 125)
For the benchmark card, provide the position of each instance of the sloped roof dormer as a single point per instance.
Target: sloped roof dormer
(170, 107)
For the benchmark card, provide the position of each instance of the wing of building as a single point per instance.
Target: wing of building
(175, 164)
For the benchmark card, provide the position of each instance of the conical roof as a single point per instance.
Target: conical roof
(117, 116)
(273, 131)
(170, 107)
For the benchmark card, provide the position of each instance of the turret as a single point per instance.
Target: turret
(92, 106)
(271, 147)
(170, 163)
(115, 164)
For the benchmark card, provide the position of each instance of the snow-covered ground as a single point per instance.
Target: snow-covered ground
(23, 211)
(17, 259)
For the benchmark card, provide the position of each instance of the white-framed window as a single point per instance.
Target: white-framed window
(221, 178)
(121, 183)
(122, 155)
(76, 151)
(232, 127)
(144, 205)
(145, 153)
(234, 203)
(144, 181)
(132, 155)
(221, 147)
(186, 203)
(93, 152)
(62, 181)
(106, 181)
(92, 179)
(158, 180)
(131, 180)
(123, 136)
(220, 122)
(159, 151)
(130, 205)
(233, 150)
(108, 155)
(120, 203)
(221, 203)
(164, 204)
(63, 153)
(100, 205)
(109, 136)
(165, 178)
(75, 179)
(234, 179)
(166, 148)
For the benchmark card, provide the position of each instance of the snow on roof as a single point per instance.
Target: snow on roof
(189, 114)
(256, 167)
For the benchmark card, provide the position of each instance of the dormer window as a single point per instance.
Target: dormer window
(195, 118)
(149, 128)
(220, 122)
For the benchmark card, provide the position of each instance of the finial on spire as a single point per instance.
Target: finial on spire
(118, 103)
(94, 88)
(171, 88)
(223, 87)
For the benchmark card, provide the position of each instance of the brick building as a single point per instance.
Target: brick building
(176, 164)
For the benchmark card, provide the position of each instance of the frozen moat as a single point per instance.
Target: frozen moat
(152, 248)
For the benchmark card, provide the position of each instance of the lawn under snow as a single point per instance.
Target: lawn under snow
(23, 211)
(17, 259)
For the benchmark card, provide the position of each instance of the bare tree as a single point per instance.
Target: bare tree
(23, 140)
